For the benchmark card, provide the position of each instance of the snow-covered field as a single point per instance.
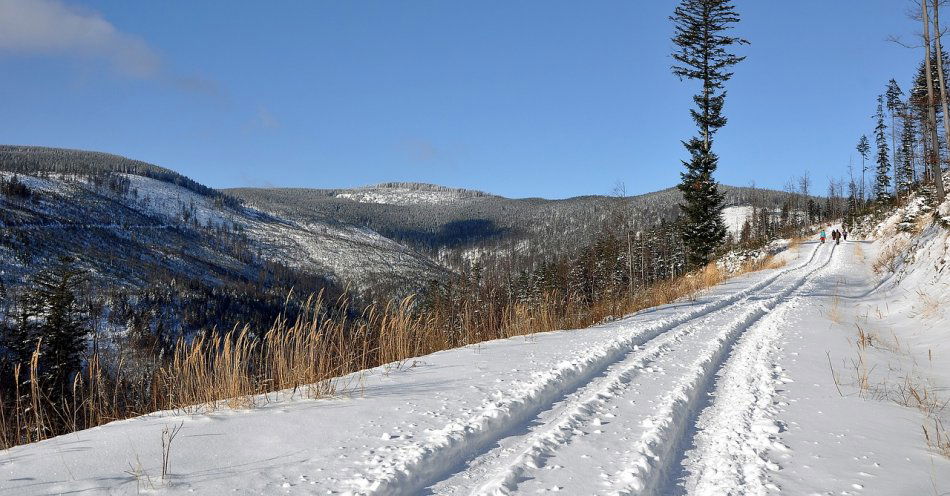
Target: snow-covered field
(754, 387)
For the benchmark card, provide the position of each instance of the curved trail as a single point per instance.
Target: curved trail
(644, 391)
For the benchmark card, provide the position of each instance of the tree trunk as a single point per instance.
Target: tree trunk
(629, 265)
(897, 188)
(931, 113)
(943, 98)
(864, 169)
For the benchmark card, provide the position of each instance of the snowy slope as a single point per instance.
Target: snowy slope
(735, 217)
(346, 253)
(353, 254)
(408, 194)
(732, 393)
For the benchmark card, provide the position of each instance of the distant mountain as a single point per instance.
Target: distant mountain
(130, 222)
(447, 223)
(38, 159)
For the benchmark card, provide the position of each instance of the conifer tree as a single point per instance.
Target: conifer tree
(702, 53)
(18, 336)
(882, 181)
(62, 331)
(907, 173)
(894, 109)
(918, 98)
(864, 146)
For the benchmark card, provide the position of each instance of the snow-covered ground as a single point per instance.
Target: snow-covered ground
(754, 387)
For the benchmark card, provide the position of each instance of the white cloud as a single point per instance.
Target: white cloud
(51, 27)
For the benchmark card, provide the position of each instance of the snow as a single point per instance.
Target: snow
(34, 183)
(357, 255)
(351, 254)
(392, 195)
(733, 392)
(735, 217)
(167, 200)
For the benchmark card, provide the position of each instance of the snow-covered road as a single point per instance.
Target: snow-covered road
(640, 409)
(689, 398)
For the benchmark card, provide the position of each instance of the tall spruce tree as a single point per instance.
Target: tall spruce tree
(702, 53)
(62, 331)
(894, 109)
(864, 146)
(908, 144)
(882, 180)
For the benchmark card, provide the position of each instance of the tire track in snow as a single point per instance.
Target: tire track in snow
(659, 452)
(582, 409)
(422, 464)
(736, 431)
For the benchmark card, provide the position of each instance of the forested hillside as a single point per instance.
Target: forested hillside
(454, 224)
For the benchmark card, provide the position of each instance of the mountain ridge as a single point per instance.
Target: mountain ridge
(397, 234)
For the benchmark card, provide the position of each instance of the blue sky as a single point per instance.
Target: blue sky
(528, 98)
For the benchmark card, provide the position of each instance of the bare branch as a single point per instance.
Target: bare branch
(897, 40)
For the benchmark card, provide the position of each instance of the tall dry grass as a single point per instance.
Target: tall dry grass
(308, 356)
(937, 438)
(890, 257)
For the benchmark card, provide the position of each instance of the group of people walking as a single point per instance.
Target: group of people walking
(836, 235)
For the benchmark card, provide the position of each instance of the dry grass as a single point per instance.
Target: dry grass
(796, 243)
(937, 438)
(834, 313)
(865, 339)
(767, 263)
(862, 375)
(929, 306)
(889, 258)
(913, 393)
(169, 433)
(910, 391)
(859, 252)
(315, 355)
